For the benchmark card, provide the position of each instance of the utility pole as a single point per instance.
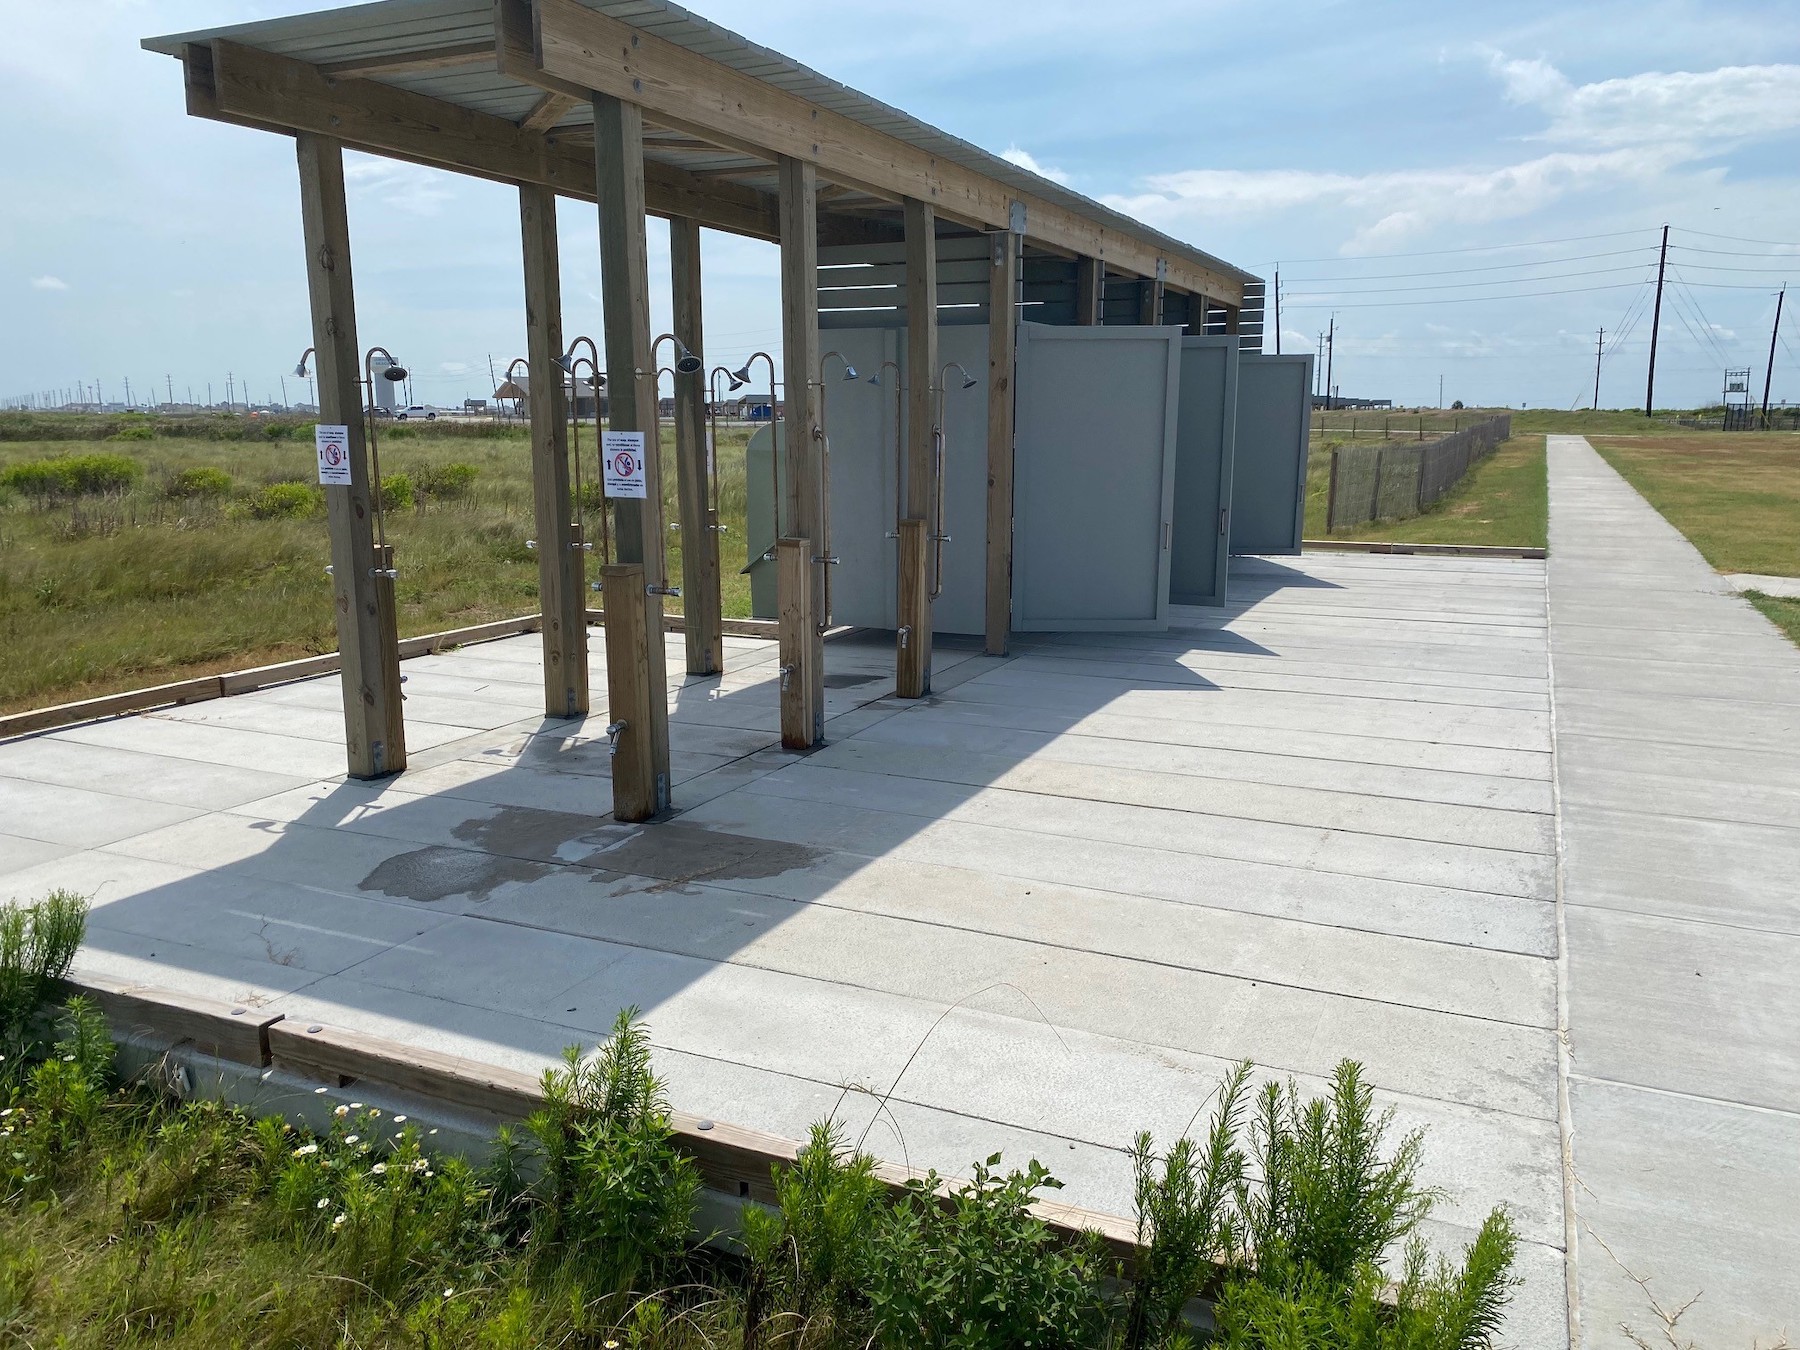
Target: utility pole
(1662, 265)
(1330, 344)
(1599, 346)
(284, 401)
(209, 401)
(1440, 393)
(1769, 374)
(169, 380)
(1278, 310)
(1319, 368)
(128, 391)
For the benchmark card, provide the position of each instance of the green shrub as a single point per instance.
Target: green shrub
(37, 944)
(283, 501)
(616, 1197)
(136, 432)
(445, 480)
(397, 492)
(72, 475)
(204, 481)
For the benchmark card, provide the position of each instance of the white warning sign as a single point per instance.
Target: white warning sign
(334, 454)
(622, 459)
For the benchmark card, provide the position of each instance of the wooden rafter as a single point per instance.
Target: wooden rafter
(412, 63)
(547, 112)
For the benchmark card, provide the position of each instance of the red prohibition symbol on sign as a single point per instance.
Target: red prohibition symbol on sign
(332, 454)
(624, 464)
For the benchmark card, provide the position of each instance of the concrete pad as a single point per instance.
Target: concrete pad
(78, 816)
(1768, 585)
(158, 778)
(292, 756)
(18, 854)
(1698, 1198)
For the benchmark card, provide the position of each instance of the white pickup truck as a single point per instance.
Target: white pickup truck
(418, 410)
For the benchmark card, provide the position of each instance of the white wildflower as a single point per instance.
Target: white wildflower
(306, 1149)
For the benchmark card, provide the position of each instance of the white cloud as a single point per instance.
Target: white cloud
(1729, 105)
(49, 283)
(1393, 206)
(406, 187)
(1635, 129)
(1027, 161)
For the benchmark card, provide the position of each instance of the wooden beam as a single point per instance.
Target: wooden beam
(920, 488)
(232, 83)
(700, 597)
(1003, 296)
(414, 63)
(562, 573)
(633, 694)
(1090, 291)
(574, 46)
(547, 112)
(374, 732)
(1150, 299)
(802, 433)
(631, 387)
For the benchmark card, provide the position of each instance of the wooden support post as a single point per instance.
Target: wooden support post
(633, 695)
(1231, 319)
(802, 436)
(919, 497)
(700, 598)
(1090, 291)
(1196, 315)
(1003, 296)
(802, 679)
(562, 563)
(912, 673)
(1150, 298)
(362, 601)
(631, 393)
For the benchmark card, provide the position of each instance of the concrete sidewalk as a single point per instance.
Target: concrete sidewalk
(1677, 726)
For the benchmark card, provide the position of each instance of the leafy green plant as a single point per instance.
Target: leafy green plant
(203, 481)
(136, 432)
(283, 501)
(977, 1268)
(445, 481)
(617, 1197)
(397, 492)
(38, 943)
(68, 476)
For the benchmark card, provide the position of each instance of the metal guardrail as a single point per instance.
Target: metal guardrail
(1393, 480)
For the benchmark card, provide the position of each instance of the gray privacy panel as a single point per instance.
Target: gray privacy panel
(863, 447)
(1268, 477)
(1094, 477)
(1205, 427)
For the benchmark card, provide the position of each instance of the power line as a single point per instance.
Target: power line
(1502, 281)
(1739, 239)
(1465, 299)
(1462, 271)
(1479, 248)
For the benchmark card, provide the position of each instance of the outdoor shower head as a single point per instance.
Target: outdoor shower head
(394, 373)
(849, 373)
(686, 363)
(970, 382)
(741, 376)
(305, 356)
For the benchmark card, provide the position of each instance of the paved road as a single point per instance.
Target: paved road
(1677, 724)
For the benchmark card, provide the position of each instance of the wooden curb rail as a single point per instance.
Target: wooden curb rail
(733, 1161)
(204, 687)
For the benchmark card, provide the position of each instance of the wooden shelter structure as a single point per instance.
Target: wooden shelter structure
(646, 109)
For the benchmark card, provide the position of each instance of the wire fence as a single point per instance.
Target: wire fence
(1393, 480)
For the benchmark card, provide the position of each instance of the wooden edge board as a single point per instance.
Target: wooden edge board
(1426, 550)
(233, 1031)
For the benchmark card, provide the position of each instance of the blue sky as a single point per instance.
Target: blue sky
(1365, 147)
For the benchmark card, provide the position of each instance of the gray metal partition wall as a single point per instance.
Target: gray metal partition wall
(1205, 434)
(1268, 478)
(860, 431)
(1094, 477)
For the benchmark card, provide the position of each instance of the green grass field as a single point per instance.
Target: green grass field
(1503, 501)
(1736, 497)
(126, 588)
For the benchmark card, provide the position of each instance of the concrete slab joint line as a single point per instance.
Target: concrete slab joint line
(1680, 1073)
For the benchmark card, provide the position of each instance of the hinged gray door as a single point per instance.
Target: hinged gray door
(1205, 432)
(1094, 477)
(1268, 478)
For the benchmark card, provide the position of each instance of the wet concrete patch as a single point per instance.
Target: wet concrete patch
(849, 680)
(437, 873)
(527, 832)
(681, 853)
